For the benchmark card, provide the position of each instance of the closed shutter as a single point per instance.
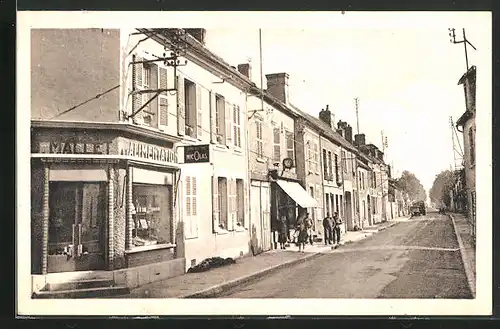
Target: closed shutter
(228, 115)
(187, 219)
(231, 197)
(181, 106)
(213, 118)
(163, 102)
(277, 140)
(199, 106)
(215, 203)
(152, 108)
(136, 83)
(194, 207)
(246, 191)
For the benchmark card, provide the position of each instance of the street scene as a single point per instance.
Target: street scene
(165, 164)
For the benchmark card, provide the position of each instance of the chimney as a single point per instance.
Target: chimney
(198, 34)
(326, 117)
(277, 85)
(340, 132)
(359, 139)
(246, 70)
(348, 133)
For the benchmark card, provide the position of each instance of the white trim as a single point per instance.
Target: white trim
(102, 156)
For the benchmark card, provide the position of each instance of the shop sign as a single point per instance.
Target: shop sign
(71, 147)
(150, 152)
(197, 153)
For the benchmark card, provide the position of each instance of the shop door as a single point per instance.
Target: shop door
(256, 219)
(77, 213)
(266, 218)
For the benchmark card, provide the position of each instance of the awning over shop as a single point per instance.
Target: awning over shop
(298, 194)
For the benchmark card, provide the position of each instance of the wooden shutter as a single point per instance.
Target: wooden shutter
(228, 116)
(199, 118)
(136, 83)
(194, 208)
(215, 203)
(213, 118)
(163, 100)
(276, 142)
(153, 106)
(246, 191)
(231, 196)
(187, 219)
(181, 106)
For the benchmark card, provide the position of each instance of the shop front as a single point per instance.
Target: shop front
(103, 199)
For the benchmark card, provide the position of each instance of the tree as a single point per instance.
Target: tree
(410, 184)
(441, 188)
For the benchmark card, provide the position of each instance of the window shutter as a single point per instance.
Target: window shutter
(136, 83)
(181, 106)
(213, 119)
(231, 204)
(215, 203)
(228, 115)
(194, 208)
(153, 105)
(163, 101)
(277, 140)
(199, 119)
(187, 219)
(245, 204)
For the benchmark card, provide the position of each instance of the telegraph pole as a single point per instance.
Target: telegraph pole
(457, 147)
(356, 102)
(464, 41)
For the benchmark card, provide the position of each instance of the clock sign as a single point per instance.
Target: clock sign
(287, 163)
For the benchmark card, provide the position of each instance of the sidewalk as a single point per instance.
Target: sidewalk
(467, 248)
(214, 281)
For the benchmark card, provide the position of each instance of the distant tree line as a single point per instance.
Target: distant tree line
(441, 188)
(410, 184)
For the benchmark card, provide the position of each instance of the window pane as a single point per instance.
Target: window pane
(62, 216)
(276, 132)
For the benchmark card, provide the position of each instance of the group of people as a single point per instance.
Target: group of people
(304, 230)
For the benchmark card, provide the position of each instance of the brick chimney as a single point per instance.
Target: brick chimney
(198, 34)
(327, 117)
(277, 85)
(246, 70)
(359, 139)
(348, 133)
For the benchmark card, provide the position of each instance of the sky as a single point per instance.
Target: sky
(405, 77)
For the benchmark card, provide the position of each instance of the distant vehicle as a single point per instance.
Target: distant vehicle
(418, 208)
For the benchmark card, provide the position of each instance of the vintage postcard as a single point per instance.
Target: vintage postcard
(254, 163)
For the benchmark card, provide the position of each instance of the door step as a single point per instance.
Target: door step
(97, 288)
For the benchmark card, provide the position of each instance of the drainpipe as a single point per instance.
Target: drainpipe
(322, 175)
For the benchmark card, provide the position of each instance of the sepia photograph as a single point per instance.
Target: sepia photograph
(224, 162)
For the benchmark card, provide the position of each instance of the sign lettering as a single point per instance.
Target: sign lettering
(197, 153)
(70, 147)
(150, 152)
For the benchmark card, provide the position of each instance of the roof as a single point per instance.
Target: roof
(471, 73)
(325, 129)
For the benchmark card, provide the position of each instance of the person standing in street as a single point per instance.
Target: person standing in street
(337, 221)
(328, 227)
(309, 224)
(301, 233)
(283, 228)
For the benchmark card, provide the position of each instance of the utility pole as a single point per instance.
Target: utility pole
(457, 147)
(464, 41)
(356, 102)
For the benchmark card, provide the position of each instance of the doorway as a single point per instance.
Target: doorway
(77, 217)
(370, 223)
(348, 211)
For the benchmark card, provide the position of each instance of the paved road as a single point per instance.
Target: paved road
(418, 258)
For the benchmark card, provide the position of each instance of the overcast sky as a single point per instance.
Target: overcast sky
(404, 76)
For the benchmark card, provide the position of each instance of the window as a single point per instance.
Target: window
(222, 202)
(344, 162)
(144, 78)
(290, 150)
(336, 167)
(316, 158)
(237, 125)
(240, 203)
(330, 173)
(276, 141)
(151, 215)
(190, 94)
(325, 165)
(191, 215)
(77, 212)
(162, 98)
(220, 118)
(260, 148)
(472, 146)
(327, 203)
(147, 74)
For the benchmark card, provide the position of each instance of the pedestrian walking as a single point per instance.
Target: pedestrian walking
(337, 221)
(327, 227)
(283, 228)
(309, 225)
(301, 232)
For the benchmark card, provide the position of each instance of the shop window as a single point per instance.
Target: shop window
(260, 147)
(151, 214)
(223, 202)
(325, 165)
(190, 99)
(77, 213)
(240, 203)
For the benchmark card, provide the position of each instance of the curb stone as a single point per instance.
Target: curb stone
(469, 273)
(220, 288)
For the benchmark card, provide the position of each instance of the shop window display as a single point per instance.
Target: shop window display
(151, 214)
